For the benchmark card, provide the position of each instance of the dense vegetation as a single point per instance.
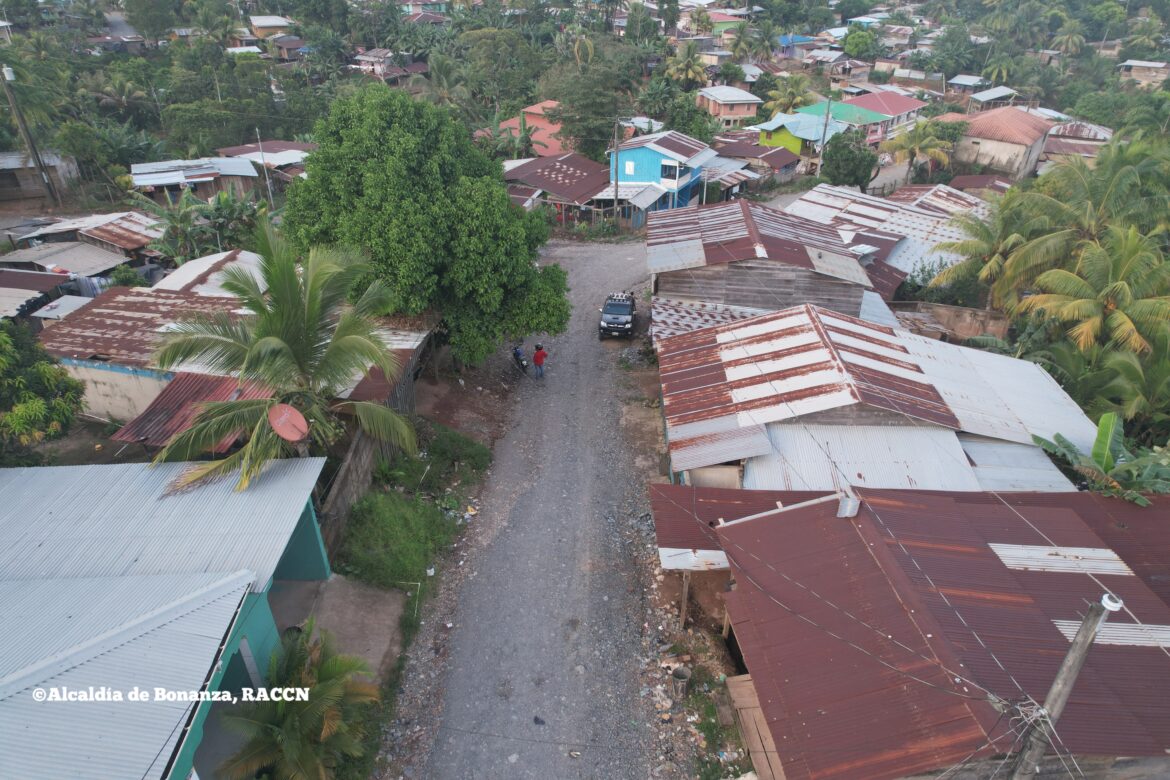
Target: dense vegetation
(38, 399)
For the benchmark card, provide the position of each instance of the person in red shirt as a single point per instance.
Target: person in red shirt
(538, 358)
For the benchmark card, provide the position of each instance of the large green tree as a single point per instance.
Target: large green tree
(402, 180)
(38, 400)
(848, 160)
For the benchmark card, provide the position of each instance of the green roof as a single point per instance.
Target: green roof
(843, 112)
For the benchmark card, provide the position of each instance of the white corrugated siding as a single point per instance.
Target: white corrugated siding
(114, 520)
(172, 649)
(825, 457)
(1008, 466)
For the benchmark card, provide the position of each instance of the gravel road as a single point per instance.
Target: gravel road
(544, 655)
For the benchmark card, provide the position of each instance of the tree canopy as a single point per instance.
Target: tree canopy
(38, 399)
(402, 180)
(848, 160)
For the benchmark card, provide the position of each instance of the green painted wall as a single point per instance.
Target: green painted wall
(305, 557)
(781, 137)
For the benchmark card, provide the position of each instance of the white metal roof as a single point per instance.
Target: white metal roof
(13, 160)
(11, 299)
(276, 159)
(119, 632)
(833, 457)
(110, 520)
(204, 275)
(75, 224)
(995, 93)
(966, 81)
(270, 21)
(670, 317)
(75, 257)
(875, 310)
(1143, 64)
(244, 50)
(922, 228)
(1007, 466)
(159, 174)
(728, 94)
(62, 307)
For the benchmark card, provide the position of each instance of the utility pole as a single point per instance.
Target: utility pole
(8, 76)
(1066, 676)
(617, 123)
(824, 133)
(264, 165)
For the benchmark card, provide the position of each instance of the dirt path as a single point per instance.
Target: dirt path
(547, 642)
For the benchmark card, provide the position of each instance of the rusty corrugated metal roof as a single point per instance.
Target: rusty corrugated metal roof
(124, 326)
(130, 231)
(685, 516)
(840, 712)
(568, 177)
(175, 408)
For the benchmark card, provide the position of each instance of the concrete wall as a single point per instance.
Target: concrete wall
(962, 322)
(350, 484)
(305, 557)
(116, 392)
(1015, 160)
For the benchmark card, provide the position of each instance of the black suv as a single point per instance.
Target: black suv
(618, 316)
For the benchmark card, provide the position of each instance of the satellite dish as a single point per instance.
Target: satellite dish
(288, 423)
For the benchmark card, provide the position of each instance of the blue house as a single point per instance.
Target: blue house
(114, 583)
(660, 170)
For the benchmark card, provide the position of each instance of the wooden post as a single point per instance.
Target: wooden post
(726, 621)
(1066, 676)
(686, 593)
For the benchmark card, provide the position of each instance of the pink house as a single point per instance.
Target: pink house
(730, 105)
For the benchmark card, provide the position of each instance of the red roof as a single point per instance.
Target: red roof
(685, 516)
(987, 181)
(847, 699)
(888, 103)
(775, 157)
(175, 408)
(568, 177)
(1007, 124)
(544, 131)
(37, 281)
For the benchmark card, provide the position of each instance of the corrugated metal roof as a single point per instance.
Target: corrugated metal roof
(670, 317)
(1008, 124)
(835, 457)
(114, 520)
(888, 103)
(29, 280)
(178, 171)
(875, 310)
(674, 145)
(995, 93)
(685, 518)
(272, 146)
(740, 230)
(1011, 467)
(119, 632)
(129, 231)
(921, 228)
(568, 177)
(175, 408)
(73, 225)
(204, 275)
(803, 126)
(75, 257)
(854, 711)
(727, 94)
(61, 307)
(802, 360)
(13, 300)
(124, 325)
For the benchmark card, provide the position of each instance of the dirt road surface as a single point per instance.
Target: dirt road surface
(543, 661)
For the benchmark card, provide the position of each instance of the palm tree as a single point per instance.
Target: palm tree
(444, 83)
(120, 94)
(791, 93)
(302, 341)
(656, 97)
(1078, 203)
(230, 219)
(582, 48)
(1145, 34)
(1117, 294)
(1139, 390)
(521, 143)
(764, 42)
(701, 21)
(918, 141)
(988, 243)
(686, 66)
(742, 44)
(999, 68)
(186, 234)
(303, 739)
(1110, 468)
(1070, 38)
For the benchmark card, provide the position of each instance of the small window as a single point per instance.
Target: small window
(669, 171)
(629, 167)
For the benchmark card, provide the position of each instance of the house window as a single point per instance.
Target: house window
(670, 171)
(629, 167)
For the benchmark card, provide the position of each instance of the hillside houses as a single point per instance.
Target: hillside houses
(1007, 140)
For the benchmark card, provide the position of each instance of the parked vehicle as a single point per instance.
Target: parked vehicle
(618, 316)
(519, 359)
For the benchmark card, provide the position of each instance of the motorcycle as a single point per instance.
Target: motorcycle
(519, 359)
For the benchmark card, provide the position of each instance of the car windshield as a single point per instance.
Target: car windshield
(618, 307)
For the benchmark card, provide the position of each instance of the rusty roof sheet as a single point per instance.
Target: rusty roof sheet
(740, 230)
(685, 517)
(921, 228)
(1054, 145)
(130, 231)
(775, 157)
(38, 281)
(1078, 128)
(175, 408)
(673, 144)
(669, 317)
(124, 325)
(568, 177)
(1008, 124)
(269, 147)
(740, 376)
(854, 711)
(987, 181)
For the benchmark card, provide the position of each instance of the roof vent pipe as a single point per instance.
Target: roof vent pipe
(1111, 602)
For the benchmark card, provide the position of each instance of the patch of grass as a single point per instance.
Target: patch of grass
(701, 702)
(446, 459)
(392, 538)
